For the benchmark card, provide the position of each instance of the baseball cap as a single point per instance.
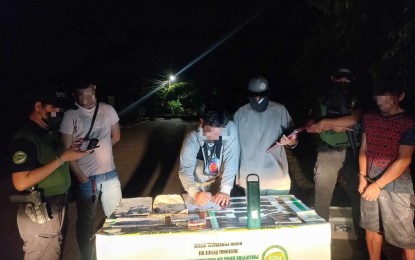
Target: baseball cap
(51, 94)
(343, 72)
(258, 86)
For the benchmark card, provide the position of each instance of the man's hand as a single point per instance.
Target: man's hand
(202, 198)
(288, 140)
(321, 126)
(221, 199)
(82, 179)
(371, 192)
(72, 154)
(317, 127)
(76, 144)
(362, 184)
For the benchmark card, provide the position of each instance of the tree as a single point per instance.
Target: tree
(364, 34)
(178, 99)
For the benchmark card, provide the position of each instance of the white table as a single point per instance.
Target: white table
(296, 234)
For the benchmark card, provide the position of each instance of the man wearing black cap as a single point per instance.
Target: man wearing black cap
(39, 167)
(335, 118)
(260, 124)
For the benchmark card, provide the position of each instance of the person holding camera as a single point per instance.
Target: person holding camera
(40, 173)
(95, 125)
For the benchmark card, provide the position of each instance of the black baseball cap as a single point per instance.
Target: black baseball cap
(258, 86)
(343, 72)
(51, 94)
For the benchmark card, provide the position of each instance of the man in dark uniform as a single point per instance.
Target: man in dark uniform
(335, 119)
(39, 165)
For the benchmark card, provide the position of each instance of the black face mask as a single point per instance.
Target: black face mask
(53, 122)
(259, 107)
(342, 86)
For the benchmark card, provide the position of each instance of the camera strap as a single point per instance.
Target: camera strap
(93, 121)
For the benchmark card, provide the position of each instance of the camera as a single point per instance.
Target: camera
(89, 144)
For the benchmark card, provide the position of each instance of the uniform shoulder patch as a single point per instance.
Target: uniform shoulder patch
(19, 157)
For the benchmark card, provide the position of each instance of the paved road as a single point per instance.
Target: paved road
(147, 162)
(146, 158)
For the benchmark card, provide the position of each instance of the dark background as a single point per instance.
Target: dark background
(132, 44)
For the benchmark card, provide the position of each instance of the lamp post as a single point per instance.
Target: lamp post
(171, 79)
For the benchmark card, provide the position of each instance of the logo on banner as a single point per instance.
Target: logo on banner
(275, 253)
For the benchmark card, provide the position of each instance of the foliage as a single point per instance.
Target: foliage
(364, 34)
(178, 99)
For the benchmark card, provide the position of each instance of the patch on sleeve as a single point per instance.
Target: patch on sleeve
(19, 157)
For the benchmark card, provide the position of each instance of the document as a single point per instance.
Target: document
(134, 207)
(190, 204)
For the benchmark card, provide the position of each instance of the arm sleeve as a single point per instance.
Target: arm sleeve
(24, 155)
(67, 125)
(230, 158)
(236, 118)
(113, 116)
(408, 137)
(286, 121)
(188, 163)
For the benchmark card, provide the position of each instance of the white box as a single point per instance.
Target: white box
(341, 223)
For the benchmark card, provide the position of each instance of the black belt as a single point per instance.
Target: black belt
(56, 198)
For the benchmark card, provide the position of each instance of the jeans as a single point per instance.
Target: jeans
(108, 189)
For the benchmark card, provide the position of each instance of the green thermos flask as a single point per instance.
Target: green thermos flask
(253, 199)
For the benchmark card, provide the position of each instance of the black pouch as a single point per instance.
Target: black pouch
(237, 191)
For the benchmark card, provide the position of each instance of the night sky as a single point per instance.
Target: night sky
(135, 42)
(132, 43)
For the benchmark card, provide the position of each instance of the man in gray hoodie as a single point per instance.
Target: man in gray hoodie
(209, 159)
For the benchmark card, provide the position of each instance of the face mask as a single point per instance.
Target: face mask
(343, 86)
(53, 122)
(260, 105)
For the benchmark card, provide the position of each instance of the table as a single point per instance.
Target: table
(289, 230)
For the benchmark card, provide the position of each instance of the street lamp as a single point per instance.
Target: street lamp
(171, 79)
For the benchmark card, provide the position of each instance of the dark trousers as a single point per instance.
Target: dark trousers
(108, 191)
(350, 172)
(85, 227)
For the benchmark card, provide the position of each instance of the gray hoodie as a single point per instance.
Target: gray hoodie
(257, 131)
(191, 172)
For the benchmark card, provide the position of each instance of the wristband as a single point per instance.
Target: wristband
(60, 160)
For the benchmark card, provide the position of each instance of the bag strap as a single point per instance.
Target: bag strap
(93, 121)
